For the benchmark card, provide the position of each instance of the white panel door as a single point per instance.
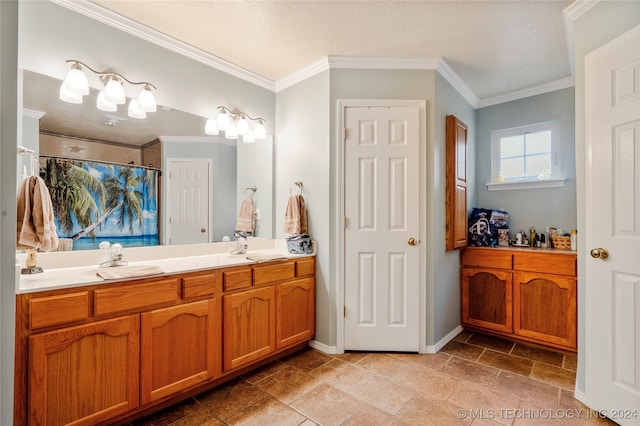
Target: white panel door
(382, 215)
(188, 201)
(612, 357)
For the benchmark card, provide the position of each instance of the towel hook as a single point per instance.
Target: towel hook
(298, 183)
(253, 190)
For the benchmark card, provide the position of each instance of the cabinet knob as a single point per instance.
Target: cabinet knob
(203, 230)
(412, 241)
(599, 253)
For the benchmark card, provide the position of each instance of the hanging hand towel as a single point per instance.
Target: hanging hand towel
(295, 218)
(246, 217)
(35, 219)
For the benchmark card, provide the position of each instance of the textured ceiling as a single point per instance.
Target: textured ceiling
(496, 47)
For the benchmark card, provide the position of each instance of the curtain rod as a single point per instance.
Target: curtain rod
(55, 157)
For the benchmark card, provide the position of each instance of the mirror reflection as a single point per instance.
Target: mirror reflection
(164, 156)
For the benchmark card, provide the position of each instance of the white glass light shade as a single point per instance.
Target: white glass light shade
(223, 120)
(146, 100)
(242, 125)
(248, 137)
(67, 96)
(103, 104)
(134, 110)
(259, 131)
(76, 82)
(231, 132)
(114, 92)
(210, 128)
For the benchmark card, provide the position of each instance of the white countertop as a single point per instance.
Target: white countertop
(78, 268)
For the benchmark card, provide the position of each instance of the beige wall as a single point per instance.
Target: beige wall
(83, 149)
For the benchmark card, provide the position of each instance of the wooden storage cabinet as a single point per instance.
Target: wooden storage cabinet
(84, 374)
(103, 353)
(524, 294)
(180, 348)
(487, 299)
(249, 326)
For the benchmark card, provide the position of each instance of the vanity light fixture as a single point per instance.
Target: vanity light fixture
(76, 85)
(234, 124)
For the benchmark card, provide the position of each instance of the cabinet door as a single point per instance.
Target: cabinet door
(295, 312)
(456, 183)
(249, 326)
(487, 299)
(84, 374)
(181, 347)
(545, 308)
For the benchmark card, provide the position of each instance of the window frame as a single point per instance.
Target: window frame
(555, 179)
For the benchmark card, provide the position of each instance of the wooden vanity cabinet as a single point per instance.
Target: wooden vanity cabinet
(85, 374)
(524, 294)
(128, 347)
(457, 228)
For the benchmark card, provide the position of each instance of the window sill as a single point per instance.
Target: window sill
(532, 184)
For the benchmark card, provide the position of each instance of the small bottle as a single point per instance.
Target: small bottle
(532, 236)
(574, 239)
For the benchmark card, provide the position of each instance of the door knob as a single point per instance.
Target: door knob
(203, 230)
(599, 253)
(412, 241)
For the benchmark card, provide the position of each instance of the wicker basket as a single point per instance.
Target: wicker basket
(562, 243)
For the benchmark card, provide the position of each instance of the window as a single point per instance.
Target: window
(526, 156)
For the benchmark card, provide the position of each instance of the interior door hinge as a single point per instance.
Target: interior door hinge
(345, 133)
(344, 312)
(169, 220)
(346, 222)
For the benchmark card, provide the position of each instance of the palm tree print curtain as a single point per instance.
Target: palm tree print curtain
(95, 202)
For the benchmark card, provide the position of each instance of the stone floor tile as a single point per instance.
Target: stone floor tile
(570, 362)
(267, 411)
(424, 410)
(554, 375)
(463, 336)
(351, 357)
(379, 392)
(231, 397)
(262, 373)
(172, 414)
(535, 353)
(390, 366)
(527, 389)
(288, 384)
(307, 359)
(471, 371)
(491, 342)
(506, 362)
(463, 350)
(484, 404)
(372, 416)
(434, 361)
(429, 382)
(327, 405)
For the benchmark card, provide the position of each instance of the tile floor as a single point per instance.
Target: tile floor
(474, 380)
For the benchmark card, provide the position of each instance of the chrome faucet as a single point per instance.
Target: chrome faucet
(241, 246)
(115, 257)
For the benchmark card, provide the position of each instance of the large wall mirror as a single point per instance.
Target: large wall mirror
(170, 137)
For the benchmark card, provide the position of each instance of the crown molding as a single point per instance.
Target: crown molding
(302, 74)
(454, 79)
(570, 14)
(551, 86)
(130, 26)
(199, 139)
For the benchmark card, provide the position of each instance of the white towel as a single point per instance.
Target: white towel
(246, 216)
(35, 226)
(295, 217)
(120, 272)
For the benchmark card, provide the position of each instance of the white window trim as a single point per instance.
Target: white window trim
(556, 179)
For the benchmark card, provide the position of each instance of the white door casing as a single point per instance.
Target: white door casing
(189, 220)
(612, 218)
(382, 207)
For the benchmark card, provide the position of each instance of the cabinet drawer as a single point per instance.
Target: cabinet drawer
(487, 258)
(55, 310)
(199, 285)
(550, 263)
(273, 273)
(136, 296)
(305, 267)
(236, 279)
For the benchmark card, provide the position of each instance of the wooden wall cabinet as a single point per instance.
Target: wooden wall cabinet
(133, 346)
(456, 184)
(524, 294)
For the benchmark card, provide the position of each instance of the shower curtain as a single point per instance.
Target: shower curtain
(95, 202)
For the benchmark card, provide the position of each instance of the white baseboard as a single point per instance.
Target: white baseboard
(446, 339)
(580, 396)
(330, 350)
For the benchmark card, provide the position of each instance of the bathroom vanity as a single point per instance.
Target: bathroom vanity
(525, 294)
(107, 352)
